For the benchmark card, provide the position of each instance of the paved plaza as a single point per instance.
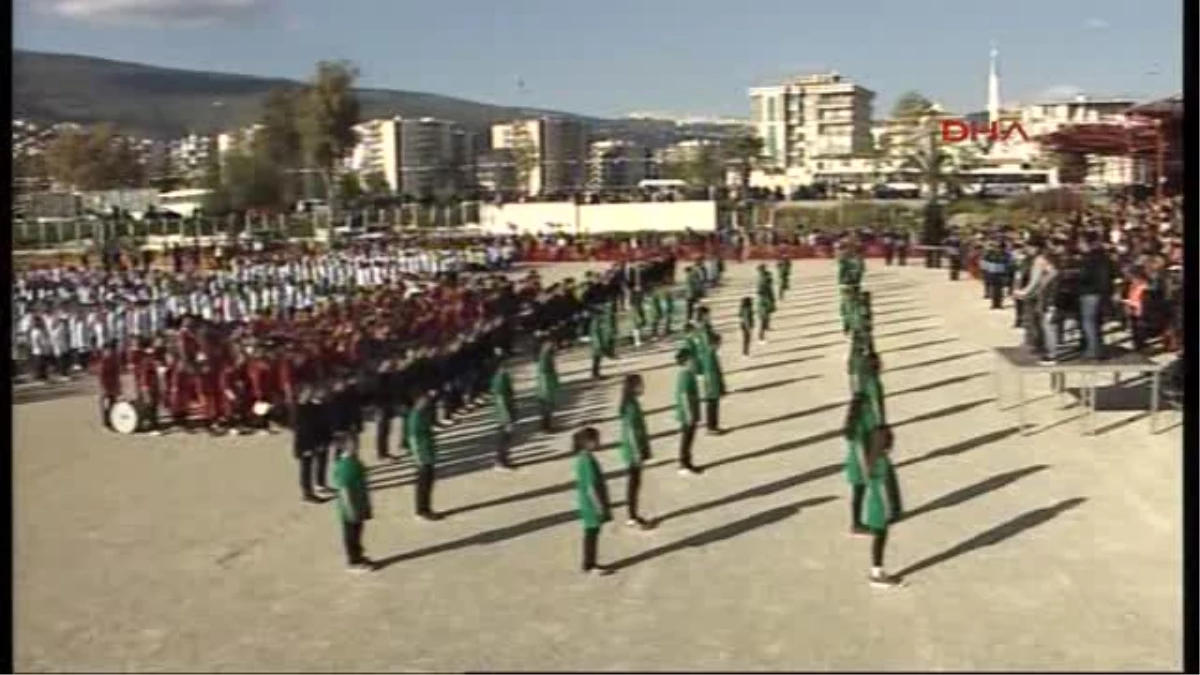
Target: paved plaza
(1047, 551)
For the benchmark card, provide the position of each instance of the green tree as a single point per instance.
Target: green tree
(745, 151)
(376, 184)
(704, 168)
(524, 155)
(329, 113)
(95, 158)
(350, 188)
(251, 181)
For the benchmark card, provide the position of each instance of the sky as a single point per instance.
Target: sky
(612, 58)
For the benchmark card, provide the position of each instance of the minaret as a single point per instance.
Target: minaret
(993, 101)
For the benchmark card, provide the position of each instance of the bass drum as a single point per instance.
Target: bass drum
(124, 417)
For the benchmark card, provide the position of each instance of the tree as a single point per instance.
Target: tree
(745, 151)
(376, 184)
(329, 113)
(94, 159)
(911, 106)
(705, 168)
(251, 181)
(350, 187)
(524, 155)
(1072, 166)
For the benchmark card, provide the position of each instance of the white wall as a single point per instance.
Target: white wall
(596, 218)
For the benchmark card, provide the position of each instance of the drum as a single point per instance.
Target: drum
(124, 417)
(261, 408)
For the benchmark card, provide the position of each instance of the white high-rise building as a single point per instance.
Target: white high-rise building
(555, 149)
(812, 116)
(416, 157)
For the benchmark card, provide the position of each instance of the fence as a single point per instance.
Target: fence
(81, 232)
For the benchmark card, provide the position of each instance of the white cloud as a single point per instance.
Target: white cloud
(1095, 23)
(157, 12)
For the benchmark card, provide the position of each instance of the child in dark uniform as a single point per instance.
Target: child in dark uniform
(591, 496)
(304, 440)
(746, 321)
(323, 434)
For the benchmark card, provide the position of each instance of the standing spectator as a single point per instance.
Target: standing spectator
(1094, 284)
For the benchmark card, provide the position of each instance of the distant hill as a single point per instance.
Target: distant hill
(168, 102)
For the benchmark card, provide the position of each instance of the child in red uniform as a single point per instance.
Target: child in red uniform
(149, 387)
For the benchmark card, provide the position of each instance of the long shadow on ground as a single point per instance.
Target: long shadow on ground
(995, 535)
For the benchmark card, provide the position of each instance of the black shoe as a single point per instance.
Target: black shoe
(313, 499)
(859, 531)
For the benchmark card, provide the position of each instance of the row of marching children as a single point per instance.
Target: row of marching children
(875, 493)
(587, 313)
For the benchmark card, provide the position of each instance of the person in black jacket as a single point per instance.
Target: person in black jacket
(322, 434)
(305, 430)
(1094, 285)
(385, 399)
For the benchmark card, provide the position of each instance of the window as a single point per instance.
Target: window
(771, 109)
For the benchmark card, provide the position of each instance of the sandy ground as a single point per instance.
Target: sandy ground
(1049, 551)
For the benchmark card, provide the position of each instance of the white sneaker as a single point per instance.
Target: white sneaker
(886, 581)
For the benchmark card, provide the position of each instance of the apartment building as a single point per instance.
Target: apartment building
(810, 116)
(618, 165)
(551, 153)
(417, 157)
(190, 155)
(686, 151)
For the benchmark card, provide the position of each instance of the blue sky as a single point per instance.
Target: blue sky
(694, 57)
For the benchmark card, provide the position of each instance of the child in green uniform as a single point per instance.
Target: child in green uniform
(653, 312)
(608, 330)
(637, 308)
(784, 268)
(712, 378)
(860, 424)
(547, 385)
(597, 341)
(766, 303)
(353, 506)
(634, 447)
(877, 509)
(419, 429)
(746, 321)
(687, 408)
(591, 496)
(667, 306)
(501, 387)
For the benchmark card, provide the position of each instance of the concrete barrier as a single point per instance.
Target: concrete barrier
(571, 218)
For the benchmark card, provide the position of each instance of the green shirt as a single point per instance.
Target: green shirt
(502, 395)
(547, 377)
(590, 497)
(353, 495)
(635, 441)
(710, 364)
(419, 428)
(687, 397)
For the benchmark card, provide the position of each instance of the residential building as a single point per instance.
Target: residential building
(496, 171)
(686, 151)
(617, 165)
(550, 153)
(417, 157)
(810, 116)
(240, 139)
(190, 155)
